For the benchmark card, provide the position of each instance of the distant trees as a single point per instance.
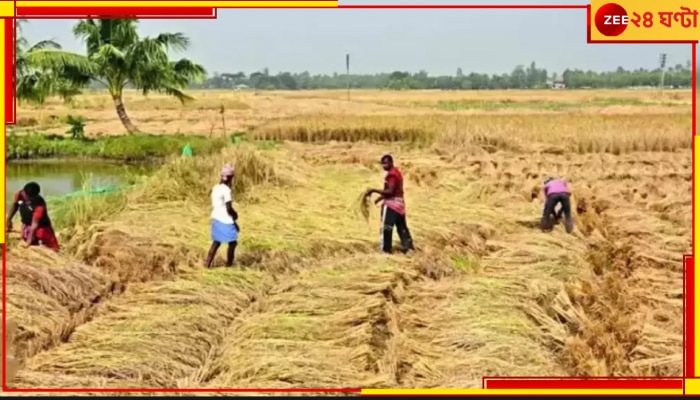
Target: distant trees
(530, 77)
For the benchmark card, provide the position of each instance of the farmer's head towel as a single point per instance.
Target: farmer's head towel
(227, 171)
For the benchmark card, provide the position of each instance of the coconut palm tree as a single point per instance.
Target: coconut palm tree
(119, 58)
(41, 67)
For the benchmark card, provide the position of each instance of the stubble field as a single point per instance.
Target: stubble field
(311, 303)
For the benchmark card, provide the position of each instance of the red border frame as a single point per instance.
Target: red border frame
(487, 382)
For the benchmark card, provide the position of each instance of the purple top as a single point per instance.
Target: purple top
(556, 186)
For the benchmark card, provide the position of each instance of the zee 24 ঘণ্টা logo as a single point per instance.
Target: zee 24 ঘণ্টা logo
(612, 19)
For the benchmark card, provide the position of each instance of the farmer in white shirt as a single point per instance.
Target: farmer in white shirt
(224, 228)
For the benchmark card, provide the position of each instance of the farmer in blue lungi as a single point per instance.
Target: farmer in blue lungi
(224, 228)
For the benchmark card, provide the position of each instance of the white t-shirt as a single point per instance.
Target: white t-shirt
(220, 195)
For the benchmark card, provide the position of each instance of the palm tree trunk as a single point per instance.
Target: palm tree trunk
(121, 113)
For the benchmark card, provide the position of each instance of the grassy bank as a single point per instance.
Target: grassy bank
(123, 148)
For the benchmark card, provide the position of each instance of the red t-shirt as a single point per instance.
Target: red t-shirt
(38, 212)
(395, 201)
(394, 177)
(35, 212)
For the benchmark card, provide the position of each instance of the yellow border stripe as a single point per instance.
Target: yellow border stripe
(7, 8)
(222, 4)
(692, 386)
(437, 392)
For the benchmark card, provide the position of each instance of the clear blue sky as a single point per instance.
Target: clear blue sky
(381, 40)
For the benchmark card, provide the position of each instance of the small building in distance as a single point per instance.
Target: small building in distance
(558, 84)
(555, 82)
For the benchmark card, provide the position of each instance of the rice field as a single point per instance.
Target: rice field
(311, 303)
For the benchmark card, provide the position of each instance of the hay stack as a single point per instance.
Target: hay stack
(160, 335)
(131, 258)
(49, 294)
(326, 328)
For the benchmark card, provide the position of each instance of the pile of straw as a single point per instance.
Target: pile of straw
(11, 361)
(130, 258)
(321, 329)
(49, 295)
(160, 335)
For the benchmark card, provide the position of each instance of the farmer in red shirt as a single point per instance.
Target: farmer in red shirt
(393, 208)
(36, 224)
(556, 191)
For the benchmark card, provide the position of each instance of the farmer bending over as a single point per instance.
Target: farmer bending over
(394, 207)
(556, 191)
(36, 224)
(224, 228)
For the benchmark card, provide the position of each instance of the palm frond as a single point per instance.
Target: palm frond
(44, 69)
(45, 45)
(58, 59)
(177, 93)
(25, 87)
(123, 32)
(187, 72)
(75, 76)
(110, 52)
(109, 59)
(152, 77)
(148, 51)
(88, 31)
(34, 88)
(21, 44)
(173, 41)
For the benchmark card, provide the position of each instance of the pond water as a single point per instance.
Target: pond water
(62, 177)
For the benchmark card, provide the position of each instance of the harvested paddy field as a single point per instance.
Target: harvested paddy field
(311, 303)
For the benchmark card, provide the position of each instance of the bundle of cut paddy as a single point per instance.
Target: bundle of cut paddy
(160, 335)
(49, 294)
(328, 327)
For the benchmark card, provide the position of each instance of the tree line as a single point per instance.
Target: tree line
(531, 77)
(116, 57)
